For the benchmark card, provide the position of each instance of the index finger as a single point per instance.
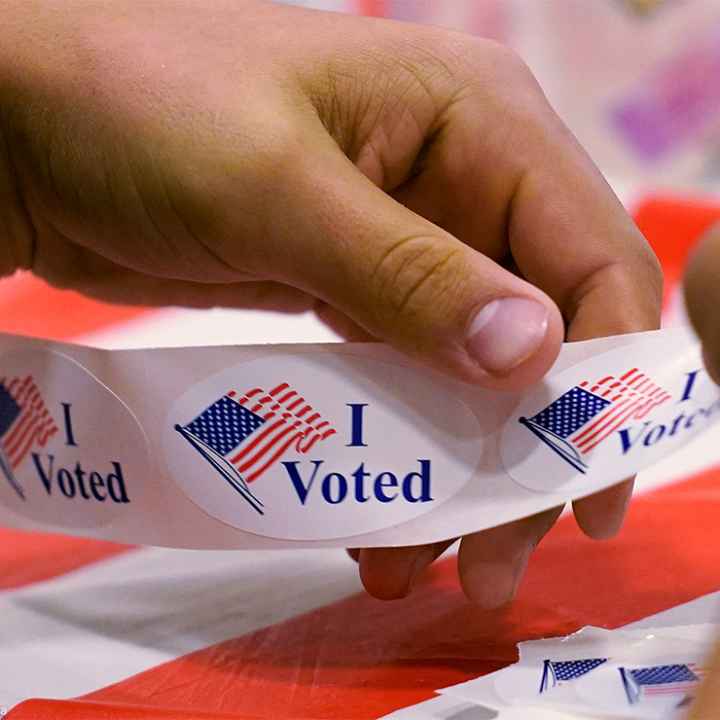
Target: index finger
(567, 232)
(570, 235)
(702, 293)
(597, 267)
(503, 173)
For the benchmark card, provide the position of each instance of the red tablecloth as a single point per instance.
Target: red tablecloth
(358, 658)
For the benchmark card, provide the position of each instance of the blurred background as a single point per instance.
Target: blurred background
(632, 78)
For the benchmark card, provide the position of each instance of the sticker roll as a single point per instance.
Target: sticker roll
(278, 446)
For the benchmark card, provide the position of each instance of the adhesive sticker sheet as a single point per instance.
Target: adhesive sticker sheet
(325, 445)
(634, 674)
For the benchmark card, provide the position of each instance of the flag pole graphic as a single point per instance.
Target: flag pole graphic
(231, 476)
(9, 475)
(545, 681)
(556, 444)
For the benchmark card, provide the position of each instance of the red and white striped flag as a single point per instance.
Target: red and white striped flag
(26, 422)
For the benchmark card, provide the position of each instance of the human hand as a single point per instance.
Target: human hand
(702, 298)
(409, 184)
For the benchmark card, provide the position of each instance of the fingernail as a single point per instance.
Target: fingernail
(507, 332)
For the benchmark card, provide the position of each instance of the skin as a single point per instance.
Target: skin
(702, 296)
(394, 179)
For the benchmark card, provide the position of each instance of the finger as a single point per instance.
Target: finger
(389, 573)
(702, 297)
(341, 324)
(525, 185)
(130, 288)
(567, 233)
(80, 269)
(492, 562)
(601, 515)
(566, 230)
(408, 282)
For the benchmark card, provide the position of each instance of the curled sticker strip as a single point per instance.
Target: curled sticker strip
(326, 445)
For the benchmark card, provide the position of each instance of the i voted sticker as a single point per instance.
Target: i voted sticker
(318, 446)
(71, 452)
(609, 417)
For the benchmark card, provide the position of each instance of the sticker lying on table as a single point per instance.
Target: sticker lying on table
(627, 673)
(319, 446)
(71, 453)
(615, 413)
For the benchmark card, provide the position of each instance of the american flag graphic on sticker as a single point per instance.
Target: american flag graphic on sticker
(557, 672)
(25, 425)
(244, 434)
(590, 412)
(658, 680)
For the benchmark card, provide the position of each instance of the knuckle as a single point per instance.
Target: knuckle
(273, 145)
(416, 275)
(653, 272)
(506, 59)
(493, 77)
(645, 271)
(500, 66)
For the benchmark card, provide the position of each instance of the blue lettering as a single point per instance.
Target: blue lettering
(72, 484)
(97, 482)
(357, 412)
(360, 476)
(689, 383)
(342, 488)
(386, 486)
(628, 441)
(381, 483)
(116, 485)
(424, 484)
(676, 424)
(80, 477)
(46, 478)
(691, 419)
(654, 435)
(69, 436)
(301, 489)
(630, 437)
(66, 483)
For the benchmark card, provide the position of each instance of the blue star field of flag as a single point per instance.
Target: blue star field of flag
(570, 412)
(572, 669)
(663, 675)
(224, 425)
(9, 410)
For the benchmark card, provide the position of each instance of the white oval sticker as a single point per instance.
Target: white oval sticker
(608, 417)
(319, 446)
(71, 452)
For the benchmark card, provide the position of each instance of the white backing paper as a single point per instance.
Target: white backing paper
(325, 445)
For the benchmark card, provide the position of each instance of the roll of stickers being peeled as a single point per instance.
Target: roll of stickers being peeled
(325, 445)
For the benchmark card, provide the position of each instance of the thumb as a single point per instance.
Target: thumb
(702, 297)
(408, 282)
